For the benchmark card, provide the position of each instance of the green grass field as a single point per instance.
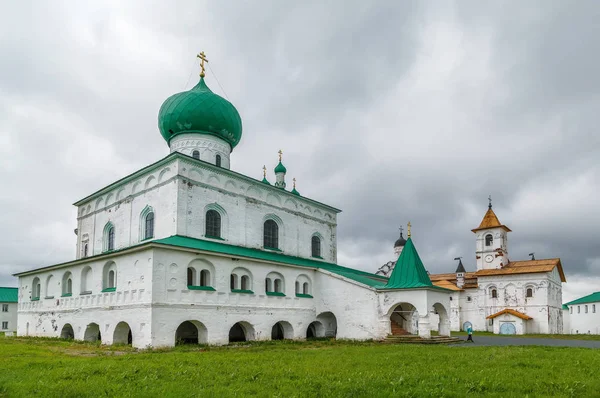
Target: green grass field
(55, 368)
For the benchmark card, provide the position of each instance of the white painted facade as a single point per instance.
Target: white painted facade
(582, 318)
(8, 317)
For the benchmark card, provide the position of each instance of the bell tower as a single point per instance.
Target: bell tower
(491, 247)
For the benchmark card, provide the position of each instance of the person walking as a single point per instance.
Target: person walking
(470, 333)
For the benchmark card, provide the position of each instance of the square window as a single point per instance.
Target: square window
(4, 307)
(469, 298)
(4, 325)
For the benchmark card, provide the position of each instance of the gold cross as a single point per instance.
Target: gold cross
(264, 171)
(280, 153)
(203, 59)
(408, 232)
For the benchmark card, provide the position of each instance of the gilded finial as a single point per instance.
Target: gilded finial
(280, 153)
(408, 230)
(294, 179)
(264, 171)
(203, 59)
(490, 199)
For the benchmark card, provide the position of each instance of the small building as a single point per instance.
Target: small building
(582, 316)
(509, 321)
(8, 311)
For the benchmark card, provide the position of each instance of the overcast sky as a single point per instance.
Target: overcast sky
(392, 111)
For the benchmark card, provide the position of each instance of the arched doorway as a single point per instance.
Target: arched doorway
(444, 321)
(241, 331)
(329, 322)
(404, 319)
(122, 334)
(67, 332)
(315, 330)
(191, 332)
(467, 325)
(92, 333)
(282, 330)
(508, 328)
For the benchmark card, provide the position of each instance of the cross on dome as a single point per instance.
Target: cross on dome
(203, 59)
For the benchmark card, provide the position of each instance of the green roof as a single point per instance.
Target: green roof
(265, 181)
(280, 168)
(409, 271)
(200, 111)
(9, 295)
(565, 307)
(366, 278)
(590, 298)
(295, 192)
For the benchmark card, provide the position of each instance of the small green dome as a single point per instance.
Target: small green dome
(265, 181)
(280, 168)
(295, 192)
(200, 111)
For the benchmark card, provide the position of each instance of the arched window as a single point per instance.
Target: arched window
(297, 287)
(316, 246)
(205, 277)
(149, 226)
(278, 286)
(36, 289)
(191, 276)
(213, 224)
(111, 279)
(494, 293)
(109, 237)
(529, 292)
(271, 235)
(305, 288)
(233, 281)
(67, 284)
(268, 285)
(218, 160)
(489, 240)
(245, 282)
(196, 155)
(85, 250)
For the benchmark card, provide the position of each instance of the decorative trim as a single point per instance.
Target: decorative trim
(109, 289)
(242, 291)
(208, 288)
(304, 295)
(67, 295)
(278, 294)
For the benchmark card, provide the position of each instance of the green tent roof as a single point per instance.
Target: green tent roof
(365, 278)
(590, 298)
(9, 295)
(409, 271)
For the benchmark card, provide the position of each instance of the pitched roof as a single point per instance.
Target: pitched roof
(447, 285)
(590, 298)
(526, 267)
(9, 294)
(365, 278)
(490, 221)
(409, 271)
(512, 312)
(461, 267)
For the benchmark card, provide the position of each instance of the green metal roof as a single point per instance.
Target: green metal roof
(265, 181)
(295, 192)
(409, 271)
(9, 295)
(590, 298)
(366, 278)
(200, 111)
(565, 307)
(280, 168)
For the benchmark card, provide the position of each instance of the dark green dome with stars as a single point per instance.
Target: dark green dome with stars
(200, 111)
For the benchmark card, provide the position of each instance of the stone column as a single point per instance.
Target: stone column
(424, 327)
(445, 327)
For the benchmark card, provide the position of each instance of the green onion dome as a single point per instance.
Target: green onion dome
(200, 111)
(280, 168)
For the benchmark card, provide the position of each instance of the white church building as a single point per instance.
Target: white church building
(188, 250)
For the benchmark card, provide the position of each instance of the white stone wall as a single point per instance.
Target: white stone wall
(519, 324)
(494, 256)
(10, 317)
(245, 205)
(123, 207)
(578, 321)
(208, 147)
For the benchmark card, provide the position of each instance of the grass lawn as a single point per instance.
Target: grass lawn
(57, 368)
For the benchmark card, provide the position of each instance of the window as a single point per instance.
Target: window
(4, 307)
(111, 279)
(268, 285)
(579, 309)
(450, 298)
(213, 224)
(297, 287)
(594, 308)
(271, 235)
(87, 280)
(196, 155)
(278, 286)
(586, 309)
(233, 281)
(149, 226)
(109, 237)
(85, 250)
(571, 310)
(305, 288)
(529, 292)
(67, 284)
(36, 289)
(489, 240)
(205, 277)
(494, 293)
(218, 160)
(316, 246)
(469, 299)
(191, 276)
(245, 282)
(4, 325)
